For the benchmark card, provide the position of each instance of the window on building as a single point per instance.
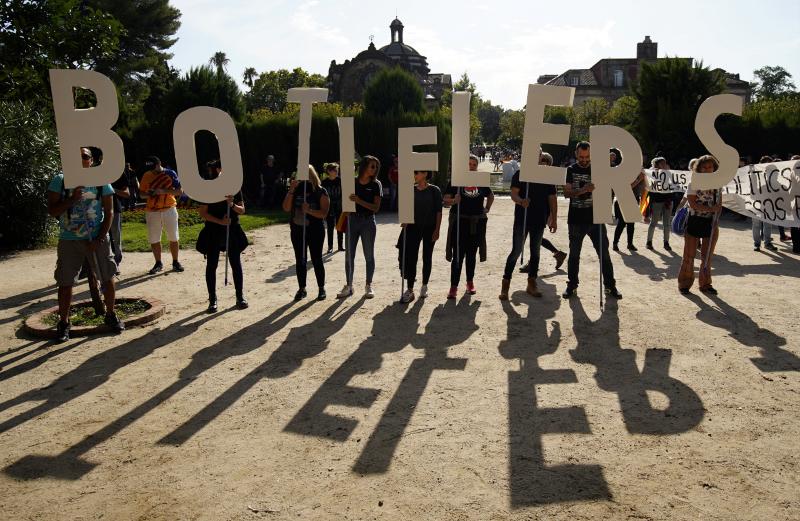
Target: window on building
(618, 78)
(573, 81)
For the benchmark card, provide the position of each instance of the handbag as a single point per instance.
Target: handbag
(680, 221)
(341, 224)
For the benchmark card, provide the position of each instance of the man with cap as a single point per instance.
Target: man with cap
(161, 186)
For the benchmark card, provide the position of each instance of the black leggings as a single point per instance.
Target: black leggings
(330, 222)
(621, 225)
(547, 245)
(468, 249)
(315, 235)
(414, 236)
(212, 261)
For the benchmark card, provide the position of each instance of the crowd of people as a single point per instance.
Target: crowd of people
(90, 226)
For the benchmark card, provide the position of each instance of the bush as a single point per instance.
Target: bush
(28, 160)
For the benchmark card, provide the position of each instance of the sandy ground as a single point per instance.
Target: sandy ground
(660, 407)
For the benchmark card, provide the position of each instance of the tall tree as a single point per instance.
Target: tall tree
(204, 86)
(512, 125)
(249, 75)
(772, 82)
(489, 116)
(220, 61)
(669, 92)
(624, 113)
(393, 91)
(270, 88)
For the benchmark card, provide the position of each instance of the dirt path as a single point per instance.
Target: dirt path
(662, 407)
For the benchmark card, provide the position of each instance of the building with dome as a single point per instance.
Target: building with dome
(347, 81)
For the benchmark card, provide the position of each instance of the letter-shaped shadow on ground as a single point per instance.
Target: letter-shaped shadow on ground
(599, 345)
(531, 480)
(313, 420)
(70, 465)
(747, 332)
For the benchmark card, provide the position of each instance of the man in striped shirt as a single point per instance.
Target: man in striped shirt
(161, 186)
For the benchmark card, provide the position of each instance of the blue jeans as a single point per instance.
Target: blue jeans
(761, 230)
(360, 227)
(536, 232)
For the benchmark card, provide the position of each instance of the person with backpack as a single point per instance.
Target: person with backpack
(84, 215)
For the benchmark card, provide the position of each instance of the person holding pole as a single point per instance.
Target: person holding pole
(333, 185)
(705, 207)
(424, 230)
(308, 203)
(580, 222)
(222, 232)
(361, 223)
(468, 218)
(661, 208)
(535, 207)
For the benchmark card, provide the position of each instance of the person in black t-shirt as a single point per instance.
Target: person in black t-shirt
(361, 223)
(308, 203)
(425, 230)
(580, 222)
(467, 204)
(333, 185)
(211, 240)
(535, 207)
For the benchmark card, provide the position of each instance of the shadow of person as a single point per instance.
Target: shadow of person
(70, 465)
(459, 324)
(599, 345)
(393, 328)
(645, 266)
(302, 343)
(532, 481)
(747, 332)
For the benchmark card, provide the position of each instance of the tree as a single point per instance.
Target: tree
(624, 113)
(669, 92)
(489, 116)
(249, 75)
(393, 91)
(270, 88)
(773, 81)
(204, 86)
(512, 125)
(593, 111)
(220, 61)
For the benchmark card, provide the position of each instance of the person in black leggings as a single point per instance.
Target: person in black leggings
(211, 240)
(308, 204)
(333, 185)
(425, 230)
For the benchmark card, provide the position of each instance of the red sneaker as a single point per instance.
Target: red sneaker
(471, 288)
(453, 292)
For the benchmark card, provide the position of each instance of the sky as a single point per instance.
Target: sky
(503, 46)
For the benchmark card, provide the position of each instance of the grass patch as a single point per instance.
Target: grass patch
(84, 315)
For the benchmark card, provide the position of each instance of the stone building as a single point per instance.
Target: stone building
(347, 81)
(611, 78)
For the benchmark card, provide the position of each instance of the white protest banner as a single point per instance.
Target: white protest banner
(767, 192)
(665, 181)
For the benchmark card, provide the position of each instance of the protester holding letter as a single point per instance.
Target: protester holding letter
(333, 185)
(637, 186)
(535, 207)
(425, 230)
(580, 222)
(467, 230)
(660, 208)
(308, 203)
(702, 227)
(161, 186)
(84, 215)
(214, 238)
(361, 223)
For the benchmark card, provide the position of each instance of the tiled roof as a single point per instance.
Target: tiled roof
(585, 77)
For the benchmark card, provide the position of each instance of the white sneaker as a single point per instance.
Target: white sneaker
(346, 292)
(423, 291)
(368, 293)
(408, 296)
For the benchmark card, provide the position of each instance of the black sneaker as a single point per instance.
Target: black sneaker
(615, 246)
(613, 293)
(667, 246)
(62, 331)
(709, 289)
(212, 306)
(241, 303)
(301, 294)
(322, 295)
(113, 321)
(569, 292)
(631, 247)
(158, 266)
(524, 269)
(649, 245)
(757, 247)
(176, 266)
(770, 246)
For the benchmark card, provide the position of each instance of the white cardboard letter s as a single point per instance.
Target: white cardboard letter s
(218, 122)
(537, 132)
(306, 97)
(409, 161)
(727, 156)
(86, 127)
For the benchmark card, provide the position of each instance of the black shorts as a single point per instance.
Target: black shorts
(699, 227)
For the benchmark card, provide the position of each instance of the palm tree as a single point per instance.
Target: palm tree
(220, 61)
(249, 74)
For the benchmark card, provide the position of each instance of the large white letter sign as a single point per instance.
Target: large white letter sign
(607, 178)
(306, 97)
(459, 158)
(727, 156)
(537, 132)
(86, 127)
(408, 161)
(218, 122)
(347, 164)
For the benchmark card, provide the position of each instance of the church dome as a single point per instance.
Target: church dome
(400, 52)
